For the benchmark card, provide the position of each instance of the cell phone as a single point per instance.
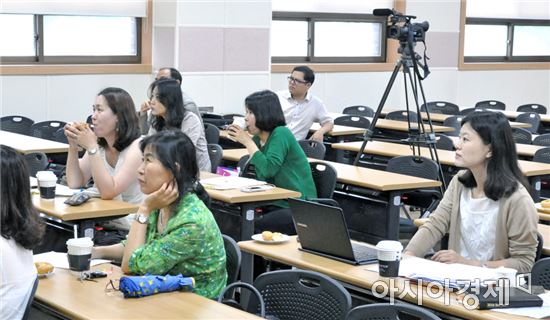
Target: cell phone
(256, 188)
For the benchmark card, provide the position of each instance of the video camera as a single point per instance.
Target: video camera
(400, 26)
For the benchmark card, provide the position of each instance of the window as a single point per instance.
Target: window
(327, 37)
(58, 39)
(506, 40)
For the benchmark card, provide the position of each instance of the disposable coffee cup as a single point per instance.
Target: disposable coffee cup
(79, 253)
(239, 121)
(46, 184)
(507, 274)
(389, 255)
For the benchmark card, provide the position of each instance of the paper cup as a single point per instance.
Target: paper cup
(389, 255)
(239, 121)
(79, 253)
(46, 184)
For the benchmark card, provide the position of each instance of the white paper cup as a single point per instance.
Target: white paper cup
(508, 274)
(79, 253)
(389, 255)
(239, 121)
(46, 184)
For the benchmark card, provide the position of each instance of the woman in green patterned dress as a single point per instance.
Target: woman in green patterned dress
(173, 232)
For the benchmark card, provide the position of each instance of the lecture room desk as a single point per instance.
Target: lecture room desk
(85, 214)
(70, 298)
(439, 118)
(526, 150)
(359, 277)
(27, 144)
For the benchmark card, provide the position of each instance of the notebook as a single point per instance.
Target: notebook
(322, 230)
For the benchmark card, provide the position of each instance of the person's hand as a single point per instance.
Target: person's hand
(81, 135)
(238, 134)
(71, 137)
(448, 256)
(163, 197)
(317, 136)
(146, 106)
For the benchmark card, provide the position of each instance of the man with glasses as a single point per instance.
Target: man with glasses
(301, 108)
(188, 103)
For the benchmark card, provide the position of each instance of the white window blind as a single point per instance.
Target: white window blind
(331, 6)
(511, 9)
(118, 8)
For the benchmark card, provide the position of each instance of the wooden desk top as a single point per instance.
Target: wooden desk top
(544, 213)
(88, 300)
(27, 144)
(380, 124)
(360, 276)
(514, 114)
(446, 157)
(237, 196)
(359, 176)
(93, 208)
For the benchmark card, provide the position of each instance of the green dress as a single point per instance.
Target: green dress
(282, 162)
(191, 244)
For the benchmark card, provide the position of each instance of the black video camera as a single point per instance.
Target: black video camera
(400, 26)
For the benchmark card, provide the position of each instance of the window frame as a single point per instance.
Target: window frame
(510, 24)
(311, 18)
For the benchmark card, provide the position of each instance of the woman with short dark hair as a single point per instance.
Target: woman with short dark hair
(22, 231)
(276, 155)
(487, 209)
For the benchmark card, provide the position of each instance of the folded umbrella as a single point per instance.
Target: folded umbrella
(141, 286)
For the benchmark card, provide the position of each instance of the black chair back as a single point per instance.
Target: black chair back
(467, 111)
(352, 121)
(491, 104)
(421, 167)
(232, 258)
(522, 135)
(532, 107)
(211, 133)
(542, 155)
(29, 302)
(36, 161)
(542, 140)
(401, 115)
(16, 124)
(313, 149)
(300, 294)
(246, 169)
(215, 152)
(442, 107)
(359, 111)
(386, 311)
(532, 118)
(324, 176)
(540, 245)
(453, 122)
(46, 129)
(540, 274)
(443, 143)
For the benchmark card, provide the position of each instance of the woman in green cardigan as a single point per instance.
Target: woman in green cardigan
(276, 155)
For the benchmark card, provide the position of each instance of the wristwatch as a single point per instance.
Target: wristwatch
(141, 218)
(92, 151)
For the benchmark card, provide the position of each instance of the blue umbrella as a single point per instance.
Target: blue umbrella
(141, 286)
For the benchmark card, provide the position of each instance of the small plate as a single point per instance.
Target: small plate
(258, 237)
(45, 275)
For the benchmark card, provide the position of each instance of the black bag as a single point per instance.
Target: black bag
(105, 237)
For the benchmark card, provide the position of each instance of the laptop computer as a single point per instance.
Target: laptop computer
(322, 230)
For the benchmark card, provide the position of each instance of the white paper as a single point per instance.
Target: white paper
(59, 259)
(532, 312)
(230, 182)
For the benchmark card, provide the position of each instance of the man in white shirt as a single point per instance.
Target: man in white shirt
(301, 108)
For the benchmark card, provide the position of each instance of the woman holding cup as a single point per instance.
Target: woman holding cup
(487, 210)
(174, 232)
(112, 150)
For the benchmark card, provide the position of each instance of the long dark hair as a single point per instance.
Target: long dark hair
(20, 220)
(503, 172)
(122, 105)
(176, 153)
(267, 110)
(169, 94)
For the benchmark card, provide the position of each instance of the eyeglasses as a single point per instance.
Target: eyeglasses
(297, 81)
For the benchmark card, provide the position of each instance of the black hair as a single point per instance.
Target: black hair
(267, 110)
(503, 172)
(174, 74)
(122, 105)
(20, 220)
(309, 75)
(169, 94)
(176, 153)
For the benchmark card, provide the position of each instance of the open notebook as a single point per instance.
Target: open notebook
(230, 182)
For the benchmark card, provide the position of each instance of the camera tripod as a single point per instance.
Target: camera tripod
(417, 135)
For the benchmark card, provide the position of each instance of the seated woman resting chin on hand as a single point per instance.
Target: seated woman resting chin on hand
(174, 232)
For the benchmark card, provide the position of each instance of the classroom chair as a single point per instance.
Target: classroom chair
(46, 129)
(443, 143)
(31, 298)
(313, 149)
(531, 118)
(359, 111)
(540, 274)
(454, 122)
(246, 169)
(532, 107)
(16, 124)
(36, 161)
(324, 176)
(352, 121)
(522, 135)
(442, 107)
(402, 115)
(232, 258)
(491, 104)
(386, 311)
(543, 155)
(211, 133)
(542, 140)
(215, 152)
